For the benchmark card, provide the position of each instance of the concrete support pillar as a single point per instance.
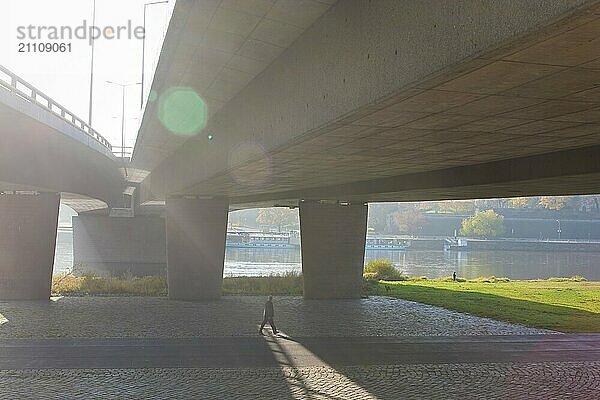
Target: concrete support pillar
(119, 245)
(196, 232)
(27, 240)
(333, 249)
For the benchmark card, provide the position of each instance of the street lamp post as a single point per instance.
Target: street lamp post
(92, 68)
(123, 87)
(144, 48)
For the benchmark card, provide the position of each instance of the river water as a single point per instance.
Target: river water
(430, 263)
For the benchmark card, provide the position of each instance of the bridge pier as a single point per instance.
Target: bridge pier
(333, 249)
(119, 245)
(27, 239)
(196, 233)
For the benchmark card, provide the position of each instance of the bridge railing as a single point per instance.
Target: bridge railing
(122, 152)
(15, 84)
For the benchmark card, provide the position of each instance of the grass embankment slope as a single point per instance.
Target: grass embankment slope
(565, 305)
(90, 285)
(70, 285)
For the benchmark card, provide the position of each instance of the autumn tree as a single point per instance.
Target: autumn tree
(244, 218)
(456, 206)
(277, 216)
(487, 204)
(486, 224)
(522, 202)
(553, 202)
(409, 220)
(380, 216)
(590, 203)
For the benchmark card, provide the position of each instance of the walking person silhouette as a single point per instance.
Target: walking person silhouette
(268, 315)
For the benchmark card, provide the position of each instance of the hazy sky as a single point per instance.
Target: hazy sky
(65, 77)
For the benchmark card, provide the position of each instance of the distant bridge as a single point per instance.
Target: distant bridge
(45, 152)
(45, 147)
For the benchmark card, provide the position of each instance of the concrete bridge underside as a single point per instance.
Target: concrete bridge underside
(373, 101)
(330, 106)
(393, 101)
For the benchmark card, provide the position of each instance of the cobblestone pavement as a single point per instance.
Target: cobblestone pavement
(238, 316)
(291, 376)
(443, 381)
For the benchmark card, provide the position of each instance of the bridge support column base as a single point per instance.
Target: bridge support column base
(196, 232)
(119, 246)
(333, 249)
(27, 240)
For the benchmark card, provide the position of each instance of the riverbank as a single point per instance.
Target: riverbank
(561, 304)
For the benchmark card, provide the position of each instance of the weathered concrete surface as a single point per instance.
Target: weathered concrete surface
(196, 233)
(117, 246)
(333, 249)
(27, 239)
(390, 100)
(217, 48)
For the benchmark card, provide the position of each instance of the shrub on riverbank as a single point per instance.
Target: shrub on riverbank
(576, 278)
(381, 269)
(490, 279)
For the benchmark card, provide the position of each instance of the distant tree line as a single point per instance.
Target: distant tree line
(409, 218)
(585, 204)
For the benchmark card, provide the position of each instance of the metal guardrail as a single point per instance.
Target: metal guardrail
(122, 152)
(28, 92)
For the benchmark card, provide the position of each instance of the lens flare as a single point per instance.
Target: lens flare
(182, 111)
(258, 172)
(153, 96)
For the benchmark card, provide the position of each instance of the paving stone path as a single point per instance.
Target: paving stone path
(89, 321)
(239, 316)
(541, 381)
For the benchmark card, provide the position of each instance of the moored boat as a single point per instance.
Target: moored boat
(455, 244)
(242, 239)
(386, 243)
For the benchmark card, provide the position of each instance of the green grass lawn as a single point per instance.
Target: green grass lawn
(565, 306)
